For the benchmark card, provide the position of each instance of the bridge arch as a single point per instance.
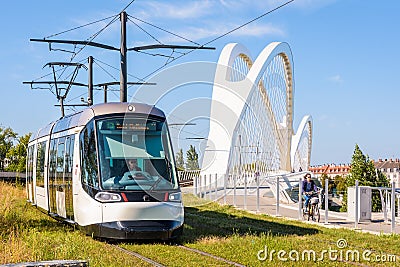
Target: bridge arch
(259, 130)
(301, 145)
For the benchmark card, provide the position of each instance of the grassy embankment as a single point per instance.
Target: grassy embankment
(26, 234)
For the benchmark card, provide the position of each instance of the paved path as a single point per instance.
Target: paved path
(267, 205)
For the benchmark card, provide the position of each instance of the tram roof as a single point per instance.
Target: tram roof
(82, 117)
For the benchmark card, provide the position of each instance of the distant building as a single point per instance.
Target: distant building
(330, 169)
(391, 168)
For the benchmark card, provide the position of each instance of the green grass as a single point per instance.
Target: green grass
(26, 234)
(238, 236)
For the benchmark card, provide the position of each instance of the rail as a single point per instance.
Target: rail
(54, 263)
(12, 177)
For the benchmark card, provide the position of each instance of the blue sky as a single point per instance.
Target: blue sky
(345, 60)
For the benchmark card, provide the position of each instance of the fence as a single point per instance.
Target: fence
(281, 195)
(186, 177)
(12, 177)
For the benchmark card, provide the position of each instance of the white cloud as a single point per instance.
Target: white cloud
(176, 9)
(208, 33)
(207, 19)
(260, 30)
(336, 78)
(312, 4)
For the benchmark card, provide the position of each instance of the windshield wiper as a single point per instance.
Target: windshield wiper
(156, 183)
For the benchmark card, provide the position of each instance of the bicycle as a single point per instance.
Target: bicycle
(313, 212)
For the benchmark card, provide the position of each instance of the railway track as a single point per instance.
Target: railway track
(210, 255)
(138, 255)
(157, 264)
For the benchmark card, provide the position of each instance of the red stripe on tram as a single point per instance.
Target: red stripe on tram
(124, 197)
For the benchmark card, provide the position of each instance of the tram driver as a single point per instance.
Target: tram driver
(133, 165)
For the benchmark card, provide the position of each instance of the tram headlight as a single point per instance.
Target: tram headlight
(107, 197)
(175, 197)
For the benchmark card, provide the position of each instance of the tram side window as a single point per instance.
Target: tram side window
(89, 156)
(60, 161)
(69, 156)
(30, 164)
(41, 152)
(52, 160)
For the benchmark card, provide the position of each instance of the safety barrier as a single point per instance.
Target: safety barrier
(281, 195)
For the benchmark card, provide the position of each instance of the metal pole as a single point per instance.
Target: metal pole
(326, 200)
(245, 191)
(393, 208)
(195, 185)
(105, 93)
(234, 190)
(216, 187)
(258, 191)
(385, 198)
(300, 198)
(123, 50)
(356, 206)
(62, 106)
(209, 186)
(257, 180)
(90, 81)
(204, 188)
(240, 169)
(225, 180)
(398, 206)
(277, 196)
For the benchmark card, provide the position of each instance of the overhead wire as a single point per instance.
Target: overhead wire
(149, 34)
(72, 29)
(76, 53)
(137, 78)
(94, 36)
(221, 36)
(159, 28)
(185, 131)
(170, 58)
(101, 30)
(209, 42)
(95, 62)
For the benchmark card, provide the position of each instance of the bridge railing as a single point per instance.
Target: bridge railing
(280, 194)
(186, 177)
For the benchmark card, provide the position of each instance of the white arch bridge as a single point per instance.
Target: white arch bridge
(251, 120)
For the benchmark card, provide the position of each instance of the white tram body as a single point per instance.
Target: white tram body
(76, 172)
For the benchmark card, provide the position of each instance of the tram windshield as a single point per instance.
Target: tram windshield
(135, 154)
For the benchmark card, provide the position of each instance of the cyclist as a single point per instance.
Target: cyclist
(309, 188)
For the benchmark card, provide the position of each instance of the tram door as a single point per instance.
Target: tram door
(69, 155)
(56, 177)
(29, 177)
(59, 181)
(52, 176)
(60, 177)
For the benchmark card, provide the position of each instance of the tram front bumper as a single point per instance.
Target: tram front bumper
(146, 229)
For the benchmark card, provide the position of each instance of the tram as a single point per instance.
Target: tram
(77, 172)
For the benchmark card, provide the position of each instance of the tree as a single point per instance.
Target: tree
(7, 136)
(17, 154)
(192, 159)
(340, 184)
(180, 162)
(331, 183)
(363, 170)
